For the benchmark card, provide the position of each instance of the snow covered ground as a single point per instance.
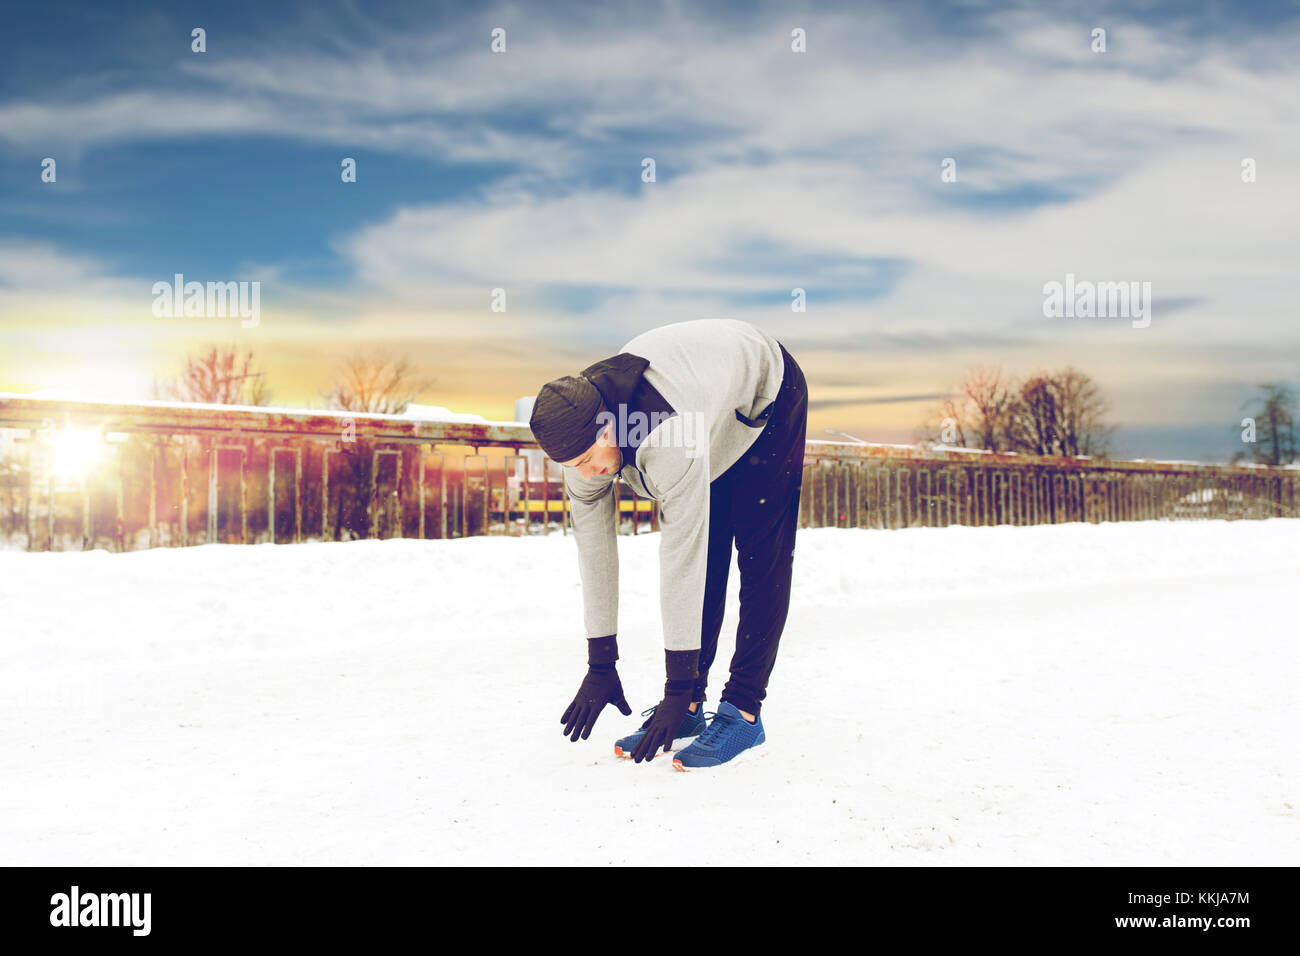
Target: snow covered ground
(1078, 694)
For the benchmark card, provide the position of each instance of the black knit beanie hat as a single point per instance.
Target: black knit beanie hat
(564, 419)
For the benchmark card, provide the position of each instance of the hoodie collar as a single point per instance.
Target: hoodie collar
(616, 378)
(621, 382)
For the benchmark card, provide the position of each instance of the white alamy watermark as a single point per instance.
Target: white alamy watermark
(1107, 300)
(208, 300)
(638, 428)
(102, 909)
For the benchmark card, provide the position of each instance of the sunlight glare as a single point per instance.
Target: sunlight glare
(76, 452)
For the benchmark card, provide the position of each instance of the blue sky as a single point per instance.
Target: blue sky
(774, 170)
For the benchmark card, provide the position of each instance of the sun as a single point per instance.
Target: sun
(76, 452)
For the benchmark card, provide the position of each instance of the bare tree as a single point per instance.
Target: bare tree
(1274, 415)
(377, 383)
(1033, 419)
(1059, 413)
(1082, 422)
(219, 375)
(989, 400)
(978, 414)
(374, 383)
(1051, 413)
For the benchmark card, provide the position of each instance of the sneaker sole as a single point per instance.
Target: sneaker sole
(627, 755)
(758, 750)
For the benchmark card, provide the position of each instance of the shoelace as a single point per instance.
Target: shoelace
(716, 727)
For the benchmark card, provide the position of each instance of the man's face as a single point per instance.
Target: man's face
(602, 458)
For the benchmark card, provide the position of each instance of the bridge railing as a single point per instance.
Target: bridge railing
(898, 486)
(83, 474)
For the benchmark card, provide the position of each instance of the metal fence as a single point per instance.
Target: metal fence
(167, 474)
(896, 486)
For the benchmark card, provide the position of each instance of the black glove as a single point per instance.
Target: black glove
(601, 686)
(667, 719)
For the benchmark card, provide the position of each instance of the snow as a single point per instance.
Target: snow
(75, 395)
(1075, 694)
(441, 413)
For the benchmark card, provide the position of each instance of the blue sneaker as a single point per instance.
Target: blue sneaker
(691, 726)
(728, 736)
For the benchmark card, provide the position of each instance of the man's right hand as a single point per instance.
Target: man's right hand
(601, 686)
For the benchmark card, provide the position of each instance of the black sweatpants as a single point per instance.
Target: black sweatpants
(755, 503)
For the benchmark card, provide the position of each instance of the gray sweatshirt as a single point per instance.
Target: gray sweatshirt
(719, 376)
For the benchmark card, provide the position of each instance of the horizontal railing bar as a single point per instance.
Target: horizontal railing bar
(979, 458)
(23, 412)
